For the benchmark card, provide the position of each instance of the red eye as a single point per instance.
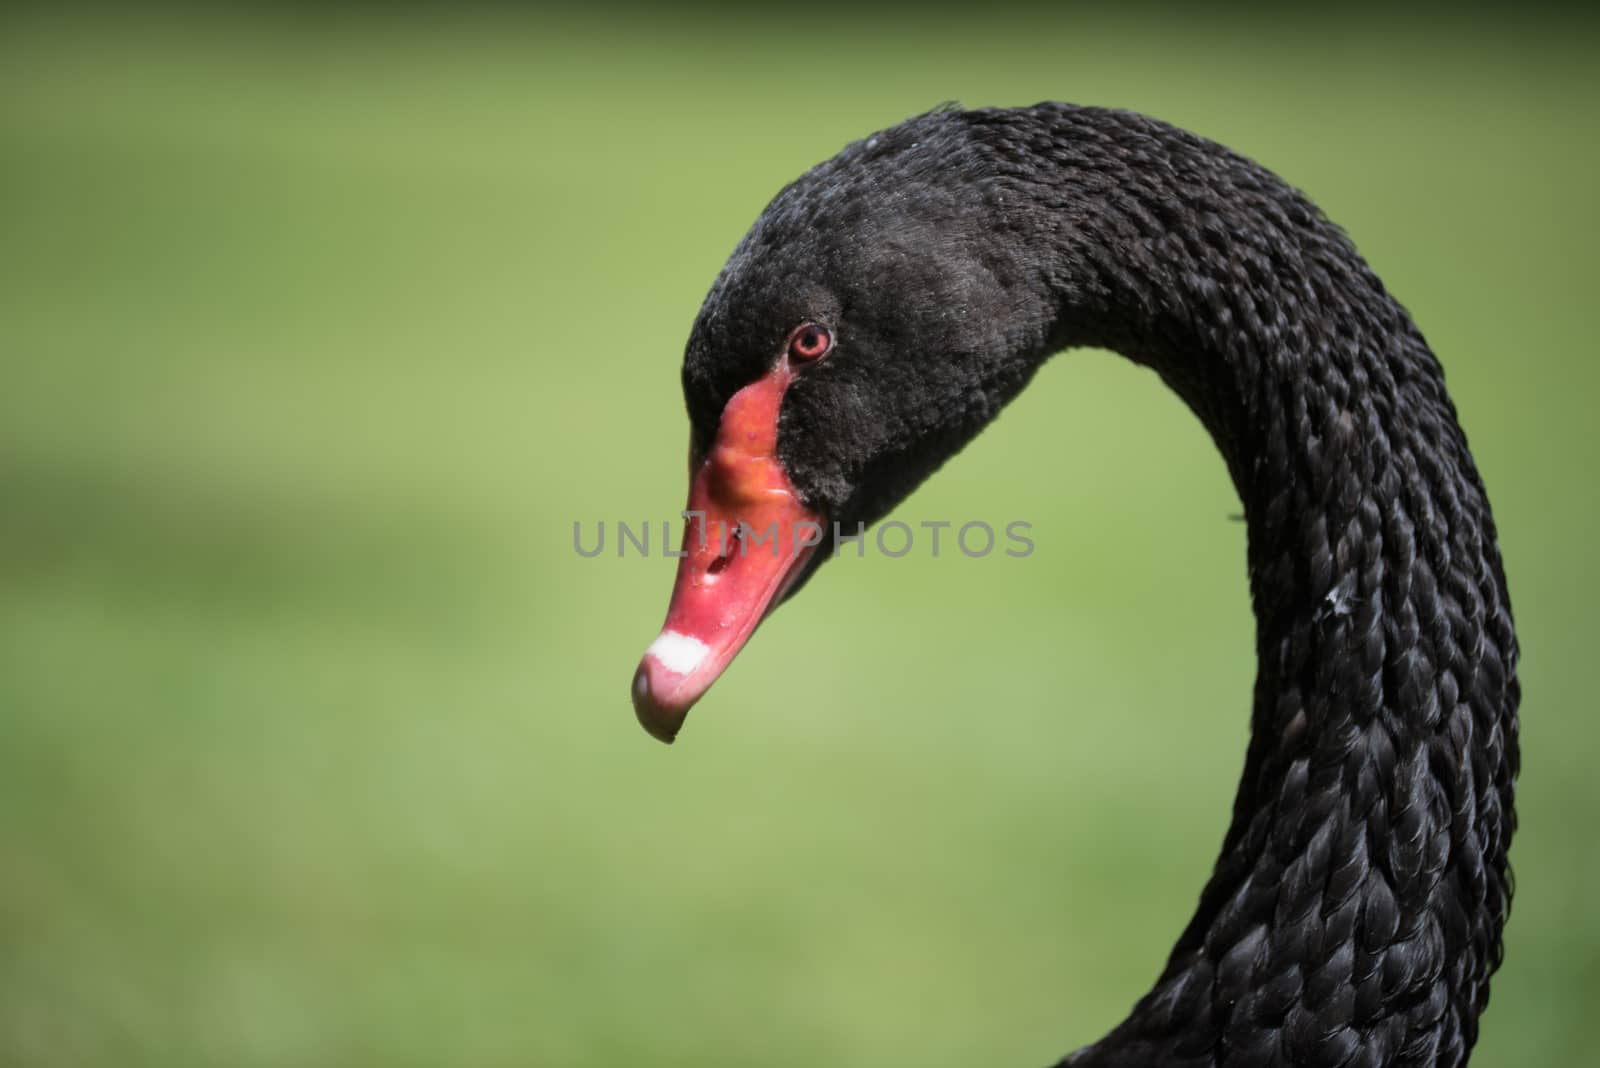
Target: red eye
(810, 342)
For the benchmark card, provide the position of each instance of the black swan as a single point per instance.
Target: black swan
(884, 308)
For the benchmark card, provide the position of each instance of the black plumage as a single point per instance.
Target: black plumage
(1354, 915)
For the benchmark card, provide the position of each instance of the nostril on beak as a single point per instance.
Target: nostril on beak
(732, 544)
(721, 563)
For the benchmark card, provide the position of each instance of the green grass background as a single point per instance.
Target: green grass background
(317, 333)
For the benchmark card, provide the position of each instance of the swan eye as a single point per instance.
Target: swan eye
(810, 342)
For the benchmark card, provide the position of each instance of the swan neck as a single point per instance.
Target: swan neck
(1354, 914)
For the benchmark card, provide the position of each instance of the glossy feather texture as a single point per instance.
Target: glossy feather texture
(1354, 915)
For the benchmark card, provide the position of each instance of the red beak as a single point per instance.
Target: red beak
(746, 541)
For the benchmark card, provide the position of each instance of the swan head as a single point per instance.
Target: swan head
(878, 314)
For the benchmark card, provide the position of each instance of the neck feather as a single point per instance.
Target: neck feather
(1354, 915)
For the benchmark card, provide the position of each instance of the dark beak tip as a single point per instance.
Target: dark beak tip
(659, 721)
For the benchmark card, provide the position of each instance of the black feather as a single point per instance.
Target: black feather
(1354, 916)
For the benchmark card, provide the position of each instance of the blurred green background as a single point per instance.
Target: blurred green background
(320, 330)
